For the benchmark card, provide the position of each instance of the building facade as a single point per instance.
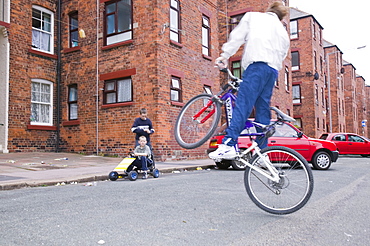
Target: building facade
(76, 73)
(308, 69)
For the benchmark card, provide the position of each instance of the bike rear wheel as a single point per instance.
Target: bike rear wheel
(197, 121)
(293, 190)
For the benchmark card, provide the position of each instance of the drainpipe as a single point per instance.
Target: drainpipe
(58, 78)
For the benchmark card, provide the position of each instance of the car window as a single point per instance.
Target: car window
(285, 130)
(339, 137)
(324, 136)
(354, 138)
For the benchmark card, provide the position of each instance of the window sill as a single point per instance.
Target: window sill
(4, 24)
(40, 53)
(113, 105)
(69, 50)
(111, 46)
(39, 127)
(180, 104)
(176, 44)
(297, 104)
(207, 57)
(71, 123)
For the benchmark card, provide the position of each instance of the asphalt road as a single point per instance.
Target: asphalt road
(208, 207)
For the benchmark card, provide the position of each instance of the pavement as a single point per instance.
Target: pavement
(32, 169)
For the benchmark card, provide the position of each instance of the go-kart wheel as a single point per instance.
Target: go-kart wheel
(113, 176)
(155, 173)
(132, 175)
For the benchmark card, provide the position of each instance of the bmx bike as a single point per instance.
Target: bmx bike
(277, 179)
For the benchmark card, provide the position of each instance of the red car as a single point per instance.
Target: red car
(349, 143)
(320, 153)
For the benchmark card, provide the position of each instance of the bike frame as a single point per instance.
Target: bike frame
(228, 100)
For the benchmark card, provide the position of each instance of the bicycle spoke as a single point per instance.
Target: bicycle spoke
(293, 189)
(197, 121)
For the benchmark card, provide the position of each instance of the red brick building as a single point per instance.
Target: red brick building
(336, 115)
(79, 73)
(308, 71)
(76, 74)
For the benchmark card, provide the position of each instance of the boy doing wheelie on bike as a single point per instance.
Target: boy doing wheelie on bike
(266, 44)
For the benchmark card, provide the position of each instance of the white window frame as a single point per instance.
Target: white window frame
(297, 98)
(294, 29)
(51, 33)
(118, 91)
(34, 120)
(206, 35)
(175, 21)
(175, 90)
(116, 35)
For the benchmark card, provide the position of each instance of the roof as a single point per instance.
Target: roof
(296, 14)
(327, 44)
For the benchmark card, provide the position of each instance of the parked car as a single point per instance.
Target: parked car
(349, 143)
(320, 153)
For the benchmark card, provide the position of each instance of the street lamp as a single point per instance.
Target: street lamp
(329, 95)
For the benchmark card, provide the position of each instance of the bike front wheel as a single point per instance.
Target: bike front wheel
(197, 121)
(294, 188)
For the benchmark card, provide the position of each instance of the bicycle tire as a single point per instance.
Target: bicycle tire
(294, 188)
(190, 133)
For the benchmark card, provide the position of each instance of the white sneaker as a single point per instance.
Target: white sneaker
(223, 152)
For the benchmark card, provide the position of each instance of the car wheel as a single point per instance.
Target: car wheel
(364, 155)
(321, 160)
(238, 165)
(224, 164)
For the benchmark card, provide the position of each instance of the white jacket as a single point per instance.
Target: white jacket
(265, 39)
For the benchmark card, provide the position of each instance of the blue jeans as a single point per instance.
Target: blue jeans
(256, 90)
(140, 162)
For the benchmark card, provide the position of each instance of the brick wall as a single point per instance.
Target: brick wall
(312, 108)
(25, 64)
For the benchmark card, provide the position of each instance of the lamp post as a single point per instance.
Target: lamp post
(329, 92)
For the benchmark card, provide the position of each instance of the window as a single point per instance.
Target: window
(298, 123)
(237, 69)
(340, 137)
(318, 123)
(41, 102)
(296, 94)
(175, 21)
(234, 21)
(354, 138)
(118, 91)
(176, 89)
(286, 79)
(72, 103)
(313, 30)
(317, 94)
(205, 36)
(118, 21)
(73, 29)
(295, 61)
(285, 130)
(42, 29)
(322, 97)
(207, 89)
(294, 29)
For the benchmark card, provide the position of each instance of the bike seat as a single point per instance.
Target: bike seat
(282, 116)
